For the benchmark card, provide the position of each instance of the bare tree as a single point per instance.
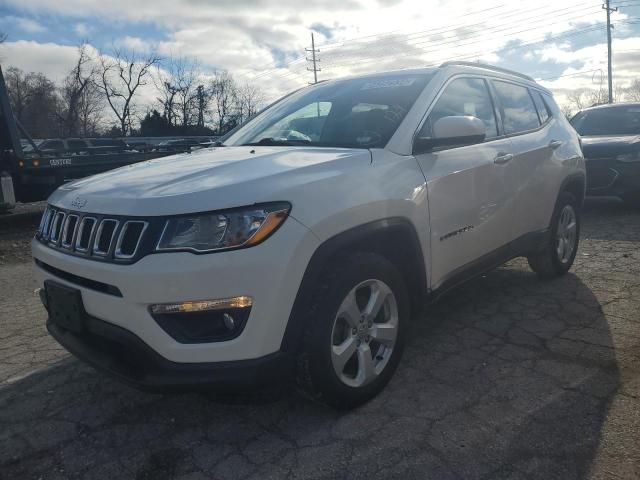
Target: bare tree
(585, 97)
(632, 93)
(186, 77)
(3, 37)
(168, 90)
(73, 90)
(91, 111)
(20, 91)
(223, 94)
(35, 102)
(250, 98)
(567, 111)
(597, 96)
(120, 77)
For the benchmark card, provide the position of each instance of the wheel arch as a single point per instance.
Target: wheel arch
(394, 238)
(576, 185)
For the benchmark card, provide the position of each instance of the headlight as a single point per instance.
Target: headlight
(629, 157)
(223, 230)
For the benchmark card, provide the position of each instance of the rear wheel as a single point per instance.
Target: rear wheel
(355, 336)
(558, 254)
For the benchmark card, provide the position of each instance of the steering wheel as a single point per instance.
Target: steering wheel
(368, 137)
(292, 135)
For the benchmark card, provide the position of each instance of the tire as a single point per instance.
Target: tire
(551, 261)
(337, 324)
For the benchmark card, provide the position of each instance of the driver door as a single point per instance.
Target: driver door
(471, 188)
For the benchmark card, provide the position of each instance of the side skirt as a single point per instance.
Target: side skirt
(523, 246)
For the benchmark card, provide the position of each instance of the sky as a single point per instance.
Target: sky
(562, 43)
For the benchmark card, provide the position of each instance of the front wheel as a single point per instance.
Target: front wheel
(559, 252)
(355, 335)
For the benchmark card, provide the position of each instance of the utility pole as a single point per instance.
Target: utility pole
(608, 8)
(315, 69)
(201, 105)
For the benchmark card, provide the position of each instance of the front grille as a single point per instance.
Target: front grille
(99, 237)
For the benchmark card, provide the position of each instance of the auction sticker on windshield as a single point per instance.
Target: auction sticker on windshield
(388, 83)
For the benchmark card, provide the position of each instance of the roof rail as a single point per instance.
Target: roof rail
(487, 67)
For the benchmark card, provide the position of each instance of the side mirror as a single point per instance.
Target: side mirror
(455, 131)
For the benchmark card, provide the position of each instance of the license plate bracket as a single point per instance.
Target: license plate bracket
(65, 306)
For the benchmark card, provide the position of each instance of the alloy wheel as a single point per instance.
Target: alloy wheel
(364, 333)
(566, 234)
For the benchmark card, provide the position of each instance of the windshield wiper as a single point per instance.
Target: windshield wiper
(273, 142)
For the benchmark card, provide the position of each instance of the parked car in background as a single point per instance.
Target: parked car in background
(611, 144)
(302, 246)
(79, 146)
(180, 144)
(139, 145)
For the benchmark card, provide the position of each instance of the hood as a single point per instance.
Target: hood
(609, 146)
(207, 179)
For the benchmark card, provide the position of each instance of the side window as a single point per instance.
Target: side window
(541, 105)
(52, 145)
(464, 96)
(76, 144)
(520, 113)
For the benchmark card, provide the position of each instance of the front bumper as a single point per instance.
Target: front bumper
(120, 353)
(270, 273)
(607, 176)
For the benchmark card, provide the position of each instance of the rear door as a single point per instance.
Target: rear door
(470, 188)
(531, 134)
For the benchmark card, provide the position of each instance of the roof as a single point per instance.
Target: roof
(456, 65)
(612, 105)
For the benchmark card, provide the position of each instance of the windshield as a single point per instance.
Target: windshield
(354, 113)
(619, 120)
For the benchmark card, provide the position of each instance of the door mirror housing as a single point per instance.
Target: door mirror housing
(454, 131)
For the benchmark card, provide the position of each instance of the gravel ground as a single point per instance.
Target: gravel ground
(507, 377)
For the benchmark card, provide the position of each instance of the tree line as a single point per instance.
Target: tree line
(582, 98)
(109, 95)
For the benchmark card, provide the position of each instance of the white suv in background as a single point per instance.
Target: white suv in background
(303, 245)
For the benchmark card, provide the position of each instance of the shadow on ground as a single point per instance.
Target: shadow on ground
(507, 377)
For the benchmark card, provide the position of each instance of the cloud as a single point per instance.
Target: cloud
(136, 44)
(82, 29)
(25, 24)
(52, 59)
(263, 41)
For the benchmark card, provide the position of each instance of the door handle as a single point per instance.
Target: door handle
(503, 158)
(553, 144)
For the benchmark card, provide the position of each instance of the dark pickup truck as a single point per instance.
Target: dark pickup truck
(32, 173)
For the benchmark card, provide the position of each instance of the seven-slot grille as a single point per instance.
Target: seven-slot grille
(91, 235)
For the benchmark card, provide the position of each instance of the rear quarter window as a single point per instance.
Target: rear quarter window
(519, 111)
(541, 105)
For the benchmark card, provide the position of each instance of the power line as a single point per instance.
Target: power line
(437, 47)
(498, 28)
(329, 47)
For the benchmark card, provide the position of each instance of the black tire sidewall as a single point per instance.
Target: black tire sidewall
(353, 270)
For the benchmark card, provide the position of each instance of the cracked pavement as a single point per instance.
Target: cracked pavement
(507, 377)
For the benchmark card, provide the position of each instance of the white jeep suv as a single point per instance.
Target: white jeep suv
(302, 245)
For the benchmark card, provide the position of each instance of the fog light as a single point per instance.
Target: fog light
(201, 306)
(229, 322)
(203, 321)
